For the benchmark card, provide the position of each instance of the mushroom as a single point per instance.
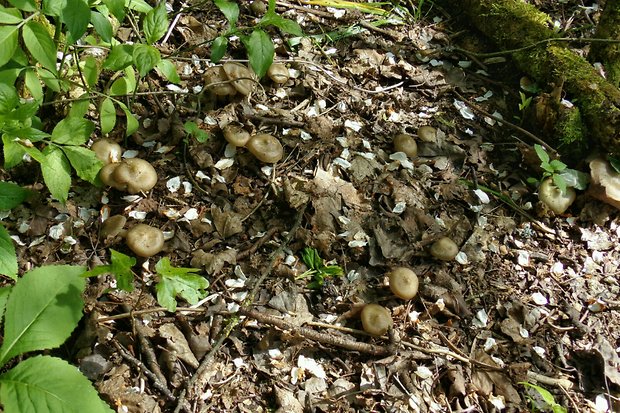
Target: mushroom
(112, 227)
(217, 82)
(107, 151)
(403, 283)
(145, 240)
(266, 148)
(405, 143)
(258, 7)
(278, 73)
(557, 200)
(376, 320)
(427, 134)
(133, 175)
(605, 185)
(236, 135)
(105, 174)
(444, 249)
(242, 78)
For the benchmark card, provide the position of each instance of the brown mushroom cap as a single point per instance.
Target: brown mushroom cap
(145, 240)
(266, 148)
(112, 227)
(403, 283)
(427, 134)
(376, 319)
(105, 174)
(107, 151)
(554, 198)
(242, 78)
(134, 175)
(605, 184)
(405, 143)
(444, 249)
(236, 135)
(278, 73)
(216, 81)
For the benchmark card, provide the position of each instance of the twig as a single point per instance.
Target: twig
(550, 381)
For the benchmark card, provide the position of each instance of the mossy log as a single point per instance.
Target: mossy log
(513, 24)
(608, 53)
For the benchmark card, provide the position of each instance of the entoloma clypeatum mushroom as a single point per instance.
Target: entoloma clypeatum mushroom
(444, 249)
(557, 200)
(376, 320)
(405, 143)
(278, 73)
(266, 148)
(132, 175)
(403, 283)
(107, 151)
(236, 135)
(145, 240)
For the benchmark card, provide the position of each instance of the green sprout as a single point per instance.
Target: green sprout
(541, 400)
(562, 176)
(317, 270)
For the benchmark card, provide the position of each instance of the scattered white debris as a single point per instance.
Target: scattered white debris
(497, 401)
(56, 231)
(353, 125)
(130, 153)
(461, 258)
(423, 372)
(139, 215)
(539, 299)
(343, 163)
(481, 319)
(489, 344)
(539, 350)
(484, 97)
(310, 365)
(191, 214)
(267, 170)
(463, 109)
(399, 208)
(224, 163)
(482, 196)
(402, 158)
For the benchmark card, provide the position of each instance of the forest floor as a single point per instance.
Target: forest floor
(530, 298)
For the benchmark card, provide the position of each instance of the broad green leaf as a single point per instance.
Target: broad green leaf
(117, 8)
(84, 161)
(43, 309)
(10, 16)
(155, 23)
(90, 71)
(4, 296)
(168, 70)
(121, 268)
(13, 151)
(76, 16)
(49, 79)
(8, 98)
(8, 39)
(192, 129)
(542, 154)
(33, 84)
(260, 51)
(559, 182)
(615, 163)
(229, 9)
(24, 112)
(48, 384)
(53, 7)
(9, 76)
(286, 25)
(40, 44)
(11, 195)
(107, 116)
(140, 6)
(102, 26)
(72, 131)
(575, 179)
(25, 5)
(8, 259)
(218, 48)
(557, 165)
(145, 58)
(132, 122)
(27, 132)
(120, 87)
(178, 281)
(79, 108)
(119, 57)
(34, 153)
(56, 173)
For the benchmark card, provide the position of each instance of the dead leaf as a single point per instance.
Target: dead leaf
(227, 223)
(176, 342)
(325, 183)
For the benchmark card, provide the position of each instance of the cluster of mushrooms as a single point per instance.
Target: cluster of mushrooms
(233, 78)
(265, 147)
(132, 175)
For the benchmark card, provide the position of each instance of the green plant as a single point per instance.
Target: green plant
(525, 103)
(172, 281)
(542, 400)
(317, 270)
(192, 129)
(11, 195)
(562, 176)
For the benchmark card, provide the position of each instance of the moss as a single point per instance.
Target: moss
(570, 134)
(608, 53)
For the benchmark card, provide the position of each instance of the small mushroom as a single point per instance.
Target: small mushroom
(107, 151)
(112, 227)
(134, 175)
(145, 240)
(217, 82)
(554, 198)
(376, 320)
(236, 135)
(258, 7)
(278, 73)
(266, 148)
(405, 143)
(403, 283)
(605, 185)
(427, 134)
(444, 249)
(242, 78)
(105, 174)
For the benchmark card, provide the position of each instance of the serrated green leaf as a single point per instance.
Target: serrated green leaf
(8, 39)
(8, 259)
(12, 150)
(192, 129)
(260, 52)
(542, 154)
(132, 122)
(140, 6)
(24, 112)
(43, 309)
(25, 5)
(119, 57)
(90, 71)
(40, 44)
(229, 9)
(168, 70)
(117, 8)
(56, 172)
(10, 16)
(79, 108)
(4, 296)
(8, 98)
(33, 84)
(34, 153)
(48, 384)
(84, 161)
(76, 16)
(286, 25)
(102, 26)
(72, 131)
(155, 23)
(11, 195)
(121, 268)
(107, 116)
(557, 165)
(178, 281)
(50, 79)
(145, 58)
(218, 48)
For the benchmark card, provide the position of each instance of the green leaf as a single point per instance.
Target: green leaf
(260, 51)
(168, 70)
(107, 116)
(4, 296)
(10, 16)
(72, 131)
(132, 122)
(102, 26)
(557, 165)
(84, 161)
(90, 71)
(8, 98)
(542, 154)
(145, 58)
(11, 195)
(24, 112)
(178, 282)
(229, 9)
(56, 173)
(155, 23)
(119, 57)
(117, 8)
(33, 84)
(575, 179)
(120, 87)
(12, 150)
(559, 182)
(48, 384)
(8, 39)
(50, 79)
(43, 309)
(25, 5)
(140, 6)
(76, 16)
(40, 44)
(192, 129)
(8, 259)
(218, 48)
(121, 268)
(286, 25)
(615, 163)
(79, 108)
